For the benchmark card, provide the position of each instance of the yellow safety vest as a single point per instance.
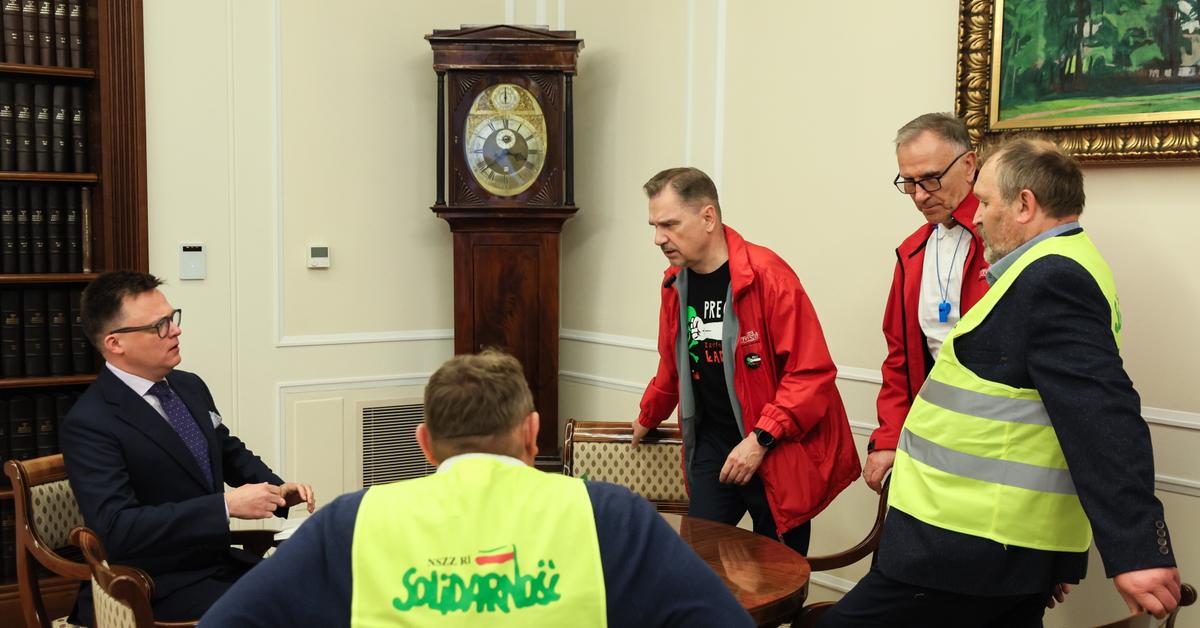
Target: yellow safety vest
(481, 543)
(982, 458)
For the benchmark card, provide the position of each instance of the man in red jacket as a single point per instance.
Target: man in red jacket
(939, 271)
(763, 424)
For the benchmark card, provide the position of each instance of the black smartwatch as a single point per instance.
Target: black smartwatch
(764, 437)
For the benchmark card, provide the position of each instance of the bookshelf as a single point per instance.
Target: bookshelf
(111, 77)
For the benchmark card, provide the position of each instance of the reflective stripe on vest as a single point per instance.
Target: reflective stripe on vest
(982, 458)
(481, 543)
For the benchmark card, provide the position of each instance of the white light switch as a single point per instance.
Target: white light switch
(318, 256)
(192, 260)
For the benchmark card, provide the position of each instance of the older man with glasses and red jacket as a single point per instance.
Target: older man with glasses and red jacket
(939, 271)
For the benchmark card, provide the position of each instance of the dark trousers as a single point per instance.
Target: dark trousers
(727, 503)
(880, 602)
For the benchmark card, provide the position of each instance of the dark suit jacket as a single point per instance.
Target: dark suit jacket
(1051, 331)
(141, 490)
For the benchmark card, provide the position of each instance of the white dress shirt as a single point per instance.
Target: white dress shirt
(939, 251)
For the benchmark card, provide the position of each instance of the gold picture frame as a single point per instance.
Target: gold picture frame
(1128, 138)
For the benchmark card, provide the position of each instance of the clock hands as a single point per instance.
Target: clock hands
(506, 149)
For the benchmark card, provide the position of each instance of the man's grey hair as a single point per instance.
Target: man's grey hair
(1034, 163)
(943, 125)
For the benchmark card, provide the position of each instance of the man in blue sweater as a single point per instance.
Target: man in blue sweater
(487, 539)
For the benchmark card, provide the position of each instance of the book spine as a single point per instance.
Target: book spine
(71, 229)
(58, 331)
(29, 14)
(23, 111)
(59, 106)
(62, 37)
(22, 220)
(8, 537)
(45, 32)
(79, 128)
(56, 237)
(4, 446)
(21, 437)
(12, 31)
(8, 230)
(75, 32)
(11, 357)
(81, 347)
(8, 128)
(85, 228)
(37, 230)
(33, 306)
(45, 435)
(62, 406)
(41, 127)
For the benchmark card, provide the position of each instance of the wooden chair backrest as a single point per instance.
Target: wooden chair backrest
(600, 450)
(1187, 598)
(811, 613)
(121, 594)
(46, 512)
(864, 548)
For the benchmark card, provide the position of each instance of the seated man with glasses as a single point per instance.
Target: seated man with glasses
(939, 271)
(148, 457)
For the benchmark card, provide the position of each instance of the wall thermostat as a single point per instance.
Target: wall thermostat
(318, 256)
(192, 261)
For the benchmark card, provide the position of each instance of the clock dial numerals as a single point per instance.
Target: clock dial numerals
(507, 139)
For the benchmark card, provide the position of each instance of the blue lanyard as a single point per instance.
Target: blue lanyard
(944, 306)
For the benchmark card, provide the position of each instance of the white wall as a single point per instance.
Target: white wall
(277, 123)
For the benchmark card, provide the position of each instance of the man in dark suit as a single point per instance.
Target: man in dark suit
(148, 457)
(1026, 441)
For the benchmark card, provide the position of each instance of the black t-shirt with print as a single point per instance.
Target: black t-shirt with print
(717, 430)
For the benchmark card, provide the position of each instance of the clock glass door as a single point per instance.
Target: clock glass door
(505, 139)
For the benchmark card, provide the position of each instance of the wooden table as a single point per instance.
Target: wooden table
(768, 578)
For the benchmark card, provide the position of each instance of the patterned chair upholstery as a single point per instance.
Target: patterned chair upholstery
(599, 450)
(46, 512)
(55, 512)
(121, 594)
(111, 612)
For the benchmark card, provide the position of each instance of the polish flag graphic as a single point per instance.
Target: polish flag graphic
(496, 556)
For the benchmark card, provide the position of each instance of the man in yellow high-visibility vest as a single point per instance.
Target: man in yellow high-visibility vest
(487, 540)
(1027, 437)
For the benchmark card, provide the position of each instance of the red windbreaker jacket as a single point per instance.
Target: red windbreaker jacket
(904, 368)
(791, 393)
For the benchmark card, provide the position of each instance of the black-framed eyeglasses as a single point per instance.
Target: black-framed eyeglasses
(929, 184)
(162, 326)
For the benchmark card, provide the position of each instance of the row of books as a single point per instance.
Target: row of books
(43, 127)
(41, 333)
(44, 229)
(29, 424)
(28, 429)
(44, 32)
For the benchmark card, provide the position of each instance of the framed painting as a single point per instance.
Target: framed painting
(1109, 80)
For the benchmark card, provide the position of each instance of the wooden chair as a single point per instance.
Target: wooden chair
(1187, 598)
(46, 512)
(120, 594)
(810, 614)
(599, 450)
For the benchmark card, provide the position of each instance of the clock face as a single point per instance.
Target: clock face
(505, 139)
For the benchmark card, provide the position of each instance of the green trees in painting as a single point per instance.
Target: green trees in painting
(1058, 48)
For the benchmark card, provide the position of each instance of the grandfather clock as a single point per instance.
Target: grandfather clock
(505, 186)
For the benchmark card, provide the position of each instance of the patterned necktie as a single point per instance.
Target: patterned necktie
(183, 423)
